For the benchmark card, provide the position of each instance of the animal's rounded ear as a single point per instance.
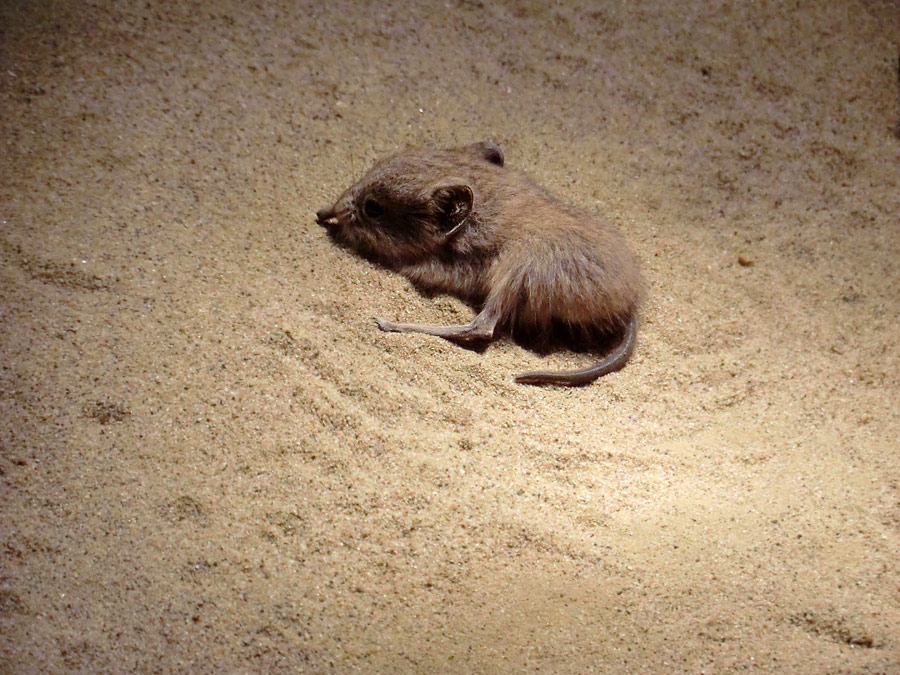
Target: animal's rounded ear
(487, 150)
(454, 203)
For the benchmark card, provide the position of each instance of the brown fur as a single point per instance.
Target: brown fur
(457, 221)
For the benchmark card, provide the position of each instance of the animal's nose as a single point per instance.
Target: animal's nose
(324, 214)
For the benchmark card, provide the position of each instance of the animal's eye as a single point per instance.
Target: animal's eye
(372, 209)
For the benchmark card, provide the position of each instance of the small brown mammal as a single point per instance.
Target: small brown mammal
(457, 221)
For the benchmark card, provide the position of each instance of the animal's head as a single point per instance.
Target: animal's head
(411, 205)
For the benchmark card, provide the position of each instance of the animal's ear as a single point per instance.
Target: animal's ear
(487, 150)
(454, 204)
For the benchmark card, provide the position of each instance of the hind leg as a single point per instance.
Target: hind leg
(481, 329)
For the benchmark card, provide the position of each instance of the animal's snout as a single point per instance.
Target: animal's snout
(326, 216)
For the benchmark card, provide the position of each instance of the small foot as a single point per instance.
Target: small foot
(389, 326)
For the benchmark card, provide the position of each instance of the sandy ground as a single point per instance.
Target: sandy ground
(211, 458)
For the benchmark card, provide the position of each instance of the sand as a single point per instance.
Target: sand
(212, 460)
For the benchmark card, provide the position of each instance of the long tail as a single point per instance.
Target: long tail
(613, 361)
